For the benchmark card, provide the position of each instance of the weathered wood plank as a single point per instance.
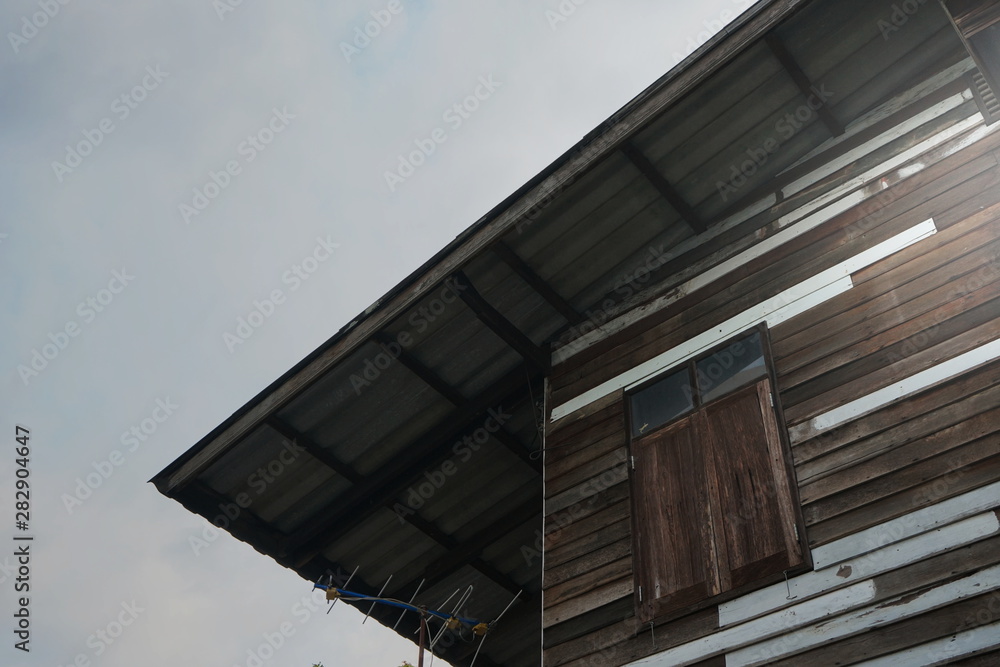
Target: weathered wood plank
(588, 543)
(590, 470)
(939, 484)
(627, 640)
(960, 335)
(595, 597)
(585, 526)
(578, 566)
(947, 257)
(889, 557)
(898, 413)
(932, 432)
(582, 584)
(904, 321)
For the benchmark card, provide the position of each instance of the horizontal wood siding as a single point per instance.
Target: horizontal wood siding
(924, 305)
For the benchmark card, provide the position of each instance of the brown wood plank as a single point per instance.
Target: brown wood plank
(952, 314)
(950, 483)
(899, 413)
(554, 575)
(582, 493)
(561, 533)
(949, 466)
(957, 336)
(900, 454)
(872, 296)
(628, 640)
(567, 430)
(588, 542)
(591, 470)
(595, 597)
(855, 341)
(581, 626)
(951, 422)
(597, 502)
(585, 582)
(613, 437)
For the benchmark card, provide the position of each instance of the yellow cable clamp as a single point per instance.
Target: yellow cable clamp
(332, 593)
(480, 629)
(453, 623)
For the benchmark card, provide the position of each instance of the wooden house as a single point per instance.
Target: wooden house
(718, 387)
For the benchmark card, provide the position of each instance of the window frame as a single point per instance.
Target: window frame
(770, 377)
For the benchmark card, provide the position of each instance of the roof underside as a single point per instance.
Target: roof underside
(418, 421)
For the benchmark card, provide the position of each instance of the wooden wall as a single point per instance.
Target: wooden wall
(928, 303)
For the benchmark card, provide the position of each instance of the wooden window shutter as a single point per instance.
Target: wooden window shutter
(978, 24)
(674, 559)
(753, 495)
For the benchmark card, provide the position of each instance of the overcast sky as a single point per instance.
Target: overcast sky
(164, 165)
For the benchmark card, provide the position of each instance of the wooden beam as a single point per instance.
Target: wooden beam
(500, 325)
(314, 449)
(432, 379)
(535, 282)
(803, 83)
(429, 377)
(454, 546)
(518, 448)
(663, 186)
(468, 552)
(246, 526)
(352, 507)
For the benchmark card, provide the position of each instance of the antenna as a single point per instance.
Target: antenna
(371, 608)
(330, 588)
(412, 598)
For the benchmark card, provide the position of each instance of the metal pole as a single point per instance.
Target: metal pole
(423, 636)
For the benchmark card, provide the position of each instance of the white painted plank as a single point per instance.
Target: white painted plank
(707, 339)
(942, 651)
(908, 525)
(782, 306)
(869, 403)
(770, 243)
(896, 161)
(767, 626)
(872, 145)
(895, 104)
(861, 620)
(899, 554)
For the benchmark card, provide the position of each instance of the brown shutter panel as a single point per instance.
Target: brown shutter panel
(674, 560)
(748, 474)
(978, 24)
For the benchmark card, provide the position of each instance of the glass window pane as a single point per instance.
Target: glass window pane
(731, 367)
(660, 402)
